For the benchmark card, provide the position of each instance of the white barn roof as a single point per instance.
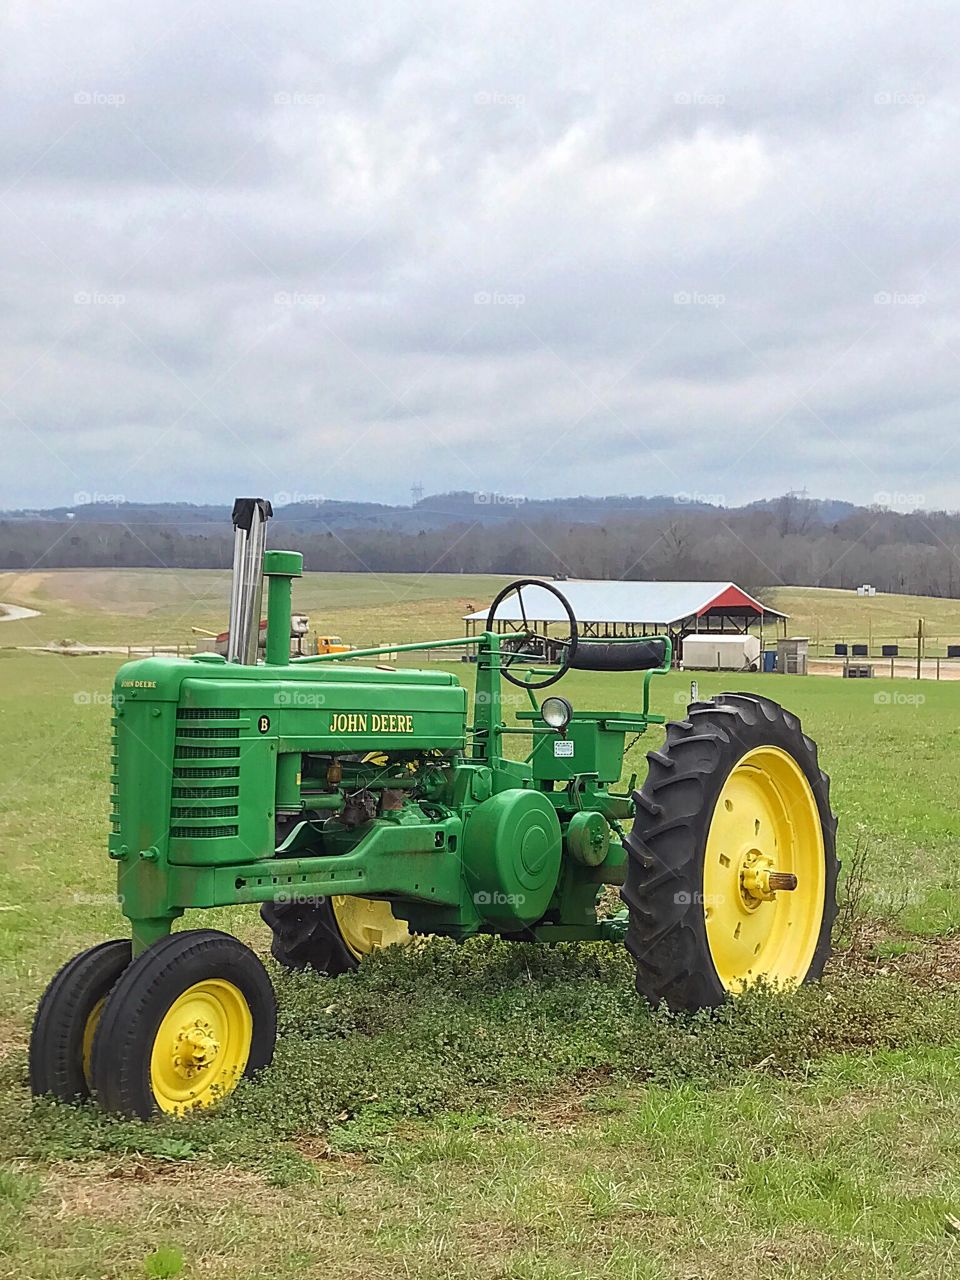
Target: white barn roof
(661, 603)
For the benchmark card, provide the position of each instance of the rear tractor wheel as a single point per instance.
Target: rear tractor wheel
(732, 867)
(331, 935)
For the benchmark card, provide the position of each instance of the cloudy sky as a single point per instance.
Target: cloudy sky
(340, 249)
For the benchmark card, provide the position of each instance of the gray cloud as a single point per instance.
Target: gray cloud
(536, 249)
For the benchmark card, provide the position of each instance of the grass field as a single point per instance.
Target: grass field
(498, 1110)
(819, 612)
(138, 606)
(160, 606)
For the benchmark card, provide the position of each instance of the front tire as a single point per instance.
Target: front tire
(190, 1017)
(732, 865)
(67, 1015)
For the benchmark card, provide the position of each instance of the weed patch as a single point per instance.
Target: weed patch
(440, 1031)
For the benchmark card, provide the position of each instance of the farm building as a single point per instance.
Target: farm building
(608, 609)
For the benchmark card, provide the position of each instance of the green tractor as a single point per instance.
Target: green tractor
(361, 805)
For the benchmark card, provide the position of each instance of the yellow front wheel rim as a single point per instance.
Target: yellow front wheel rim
(367, 924)
(89, 1031)
(201, 1047)
(766, 824)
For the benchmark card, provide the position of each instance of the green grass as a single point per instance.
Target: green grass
(498, 1110)
(829, 615)
(136, 606)
(161, 606)
(888, 761)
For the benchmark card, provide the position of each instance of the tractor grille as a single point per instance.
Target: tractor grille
(205, 796)
(207, 733)
(114, 779)
(231, 771)
(209, 793)
(208, 713)
(207, 753)
(204, 811)
(204, 833)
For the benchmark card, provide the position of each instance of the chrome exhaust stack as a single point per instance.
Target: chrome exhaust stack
(250, 516)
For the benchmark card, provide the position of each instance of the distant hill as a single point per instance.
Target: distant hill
(793, 538)
(826, 510)
(438, 511)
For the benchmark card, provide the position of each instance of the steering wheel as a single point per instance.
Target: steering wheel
(528, 648)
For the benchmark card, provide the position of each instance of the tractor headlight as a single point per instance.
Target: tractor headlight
(557, 712)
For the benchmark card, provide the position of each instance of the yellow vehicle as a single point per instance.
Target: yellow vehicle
(331, 644)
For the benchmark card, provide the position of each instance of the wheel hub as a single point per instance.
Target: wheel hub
(195, 1049)
(760, 882)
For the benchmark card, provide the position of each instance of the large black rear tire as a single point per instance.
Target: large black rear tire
(742, 756)
(305, 936)
(332, 935)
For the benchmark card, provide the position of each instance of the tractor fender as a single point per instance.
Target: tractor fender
(511, 857)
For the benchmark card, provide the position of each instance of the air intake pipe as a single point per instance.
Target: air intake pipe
(250, 516)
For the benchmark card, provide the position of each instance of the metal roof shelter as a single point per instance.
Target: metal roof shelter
(606, 609)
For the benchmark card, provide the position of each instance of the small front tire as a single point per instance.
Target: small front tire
(67, 1017)
(191, 1016)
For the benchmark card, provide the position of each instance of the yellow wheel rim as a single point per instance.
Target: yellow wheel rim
(89, 1031)
(367, 924)
(766, 823)
(201, 1047)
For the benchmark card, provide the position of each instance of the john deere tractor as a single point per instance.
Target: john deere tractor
(360, 805)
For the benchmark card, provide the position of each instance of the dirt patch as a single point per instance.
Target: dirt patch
(14, 1037)
(116, 1190)
(934, 963)
(316, 1149)
(563, 1109)
(22, 585)
(902, 668)
(16, 613)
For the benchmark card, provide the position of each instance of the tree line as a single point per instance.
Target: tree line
(786, 542)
